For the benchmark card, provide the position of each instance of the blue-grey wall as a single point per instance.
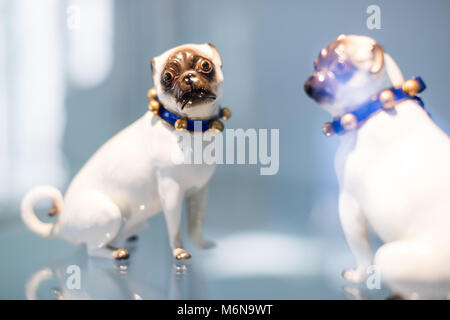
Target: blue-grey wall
(268, 48)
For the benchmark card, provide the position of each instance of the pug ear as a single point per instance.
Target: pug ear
(216, 53)
(152, 65)
(378, 58)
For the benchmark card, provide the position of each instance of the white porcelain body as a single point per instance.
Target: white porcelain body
(394, 175)
(395, 172)
(132, 169)
(136, 174)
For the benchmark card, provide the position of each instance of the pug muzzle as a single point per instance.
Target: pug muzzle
(189, 77)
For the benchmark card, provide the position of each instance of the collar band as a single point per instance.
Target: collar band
(385, 100)
(180, 122)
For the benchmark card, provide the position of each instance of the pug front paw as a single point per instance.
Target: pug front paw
(121, 254)
(181, 254)
(354, 275)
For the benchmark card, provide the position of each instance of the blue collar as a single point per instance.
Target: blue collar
(385, 100)
(180, 122)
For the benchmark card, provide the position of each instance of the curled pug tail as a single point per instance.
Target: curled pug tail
(29, 215)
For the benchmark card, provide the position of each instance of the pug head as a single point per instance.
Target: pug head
(188, 79)
(347, 73)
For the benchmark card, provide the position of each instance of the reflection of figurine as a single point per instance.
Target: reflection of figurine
(98, 279)
(393, 163)
(136, 174)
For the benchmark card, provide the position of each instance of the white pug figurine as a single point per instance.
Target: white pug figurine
(133, 176)
(392, 164)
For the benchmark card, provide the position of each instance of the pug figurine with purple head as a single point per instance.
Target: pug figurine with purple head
(392, 164)
(135, 174)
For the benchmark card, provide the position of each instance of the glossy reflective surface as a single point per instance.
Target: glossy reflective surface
(256, 257)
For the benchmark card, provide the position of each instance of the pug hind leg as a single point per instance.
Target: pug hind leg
(426, 261)
(104, 226)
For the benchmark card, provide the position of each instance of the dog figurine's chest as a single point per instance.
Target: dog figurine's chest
(180, 154)
(369, 183)
(150, 151)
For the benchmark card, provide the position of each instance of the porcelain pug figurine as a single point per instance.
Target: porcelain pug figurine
(133, 175)
(392, 164)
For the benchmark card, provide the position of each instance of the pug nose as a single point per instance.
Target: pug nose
(308, 86)
(188, 78)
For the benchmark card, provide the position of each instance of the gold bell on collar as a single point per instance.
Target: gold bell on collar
(225, 113)
(411, 87)
(216, 125)
(151, 94)
(387, 99)
(349, 121)
(181, 124)
(153, 106)
(327, 129)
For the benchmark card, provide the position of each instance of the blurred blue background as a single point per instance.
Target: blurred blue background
(73, 73)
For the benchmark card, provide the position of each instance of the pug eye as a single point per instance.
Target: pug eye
(343, 70)
(168, 76)
(205, 66)
(341, 67)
